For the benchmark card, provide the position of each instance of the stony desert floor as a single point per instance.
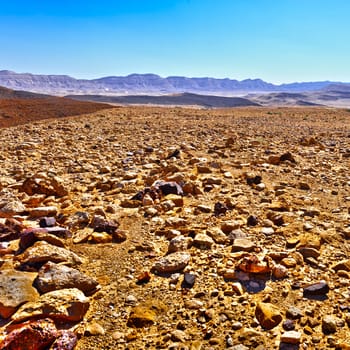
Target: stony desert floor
(241, 244)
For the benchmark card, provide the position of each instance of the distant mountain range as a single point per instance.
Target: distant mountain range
(135, 84)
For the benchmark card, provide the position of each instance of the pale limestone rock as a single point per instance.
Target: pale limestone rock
(291, 337)
(53, 277)
(9, 204)
(203, 241)
(42, 252)
(172, 263)
(65, 305)
(16, 288)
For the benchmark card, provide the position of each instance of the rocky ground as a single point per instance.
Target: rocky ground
(170, 228)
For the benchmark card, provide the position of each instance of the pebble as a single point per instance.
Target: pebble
(288, 325)
(329, 324)
(294, 313)
(172, 263)
(268, 315)
(319, 288)
(267, 231)
(203, 241)
(291, 337)
(242, 244)
(94, 328)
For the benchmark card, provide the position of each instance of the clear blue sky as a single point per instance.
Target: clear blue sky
(275, 40)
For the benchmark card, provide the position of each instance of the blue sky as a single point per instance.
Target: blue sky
(275, 40)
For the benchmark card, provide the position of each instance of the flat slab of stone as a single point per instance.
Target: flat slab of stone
(43, 211)
(243, 244)
(16, 288)
(291, 337)
(63, 305)
(172, 263)
(42, 252)
(53, 277)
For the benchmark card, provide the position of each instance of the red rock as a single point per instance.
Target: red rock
(31, 335)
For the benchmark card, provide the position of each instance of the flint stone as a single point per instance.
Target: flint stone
(47, 222)
(172, 263)
(16, 288)
(94, 328)
(58, 231)
(217, 235)
(42, 252)
(268, 231)
(229, 226)
(53, 277)
(294, 313)
(78, 220)
(31, 335)
(203, 208)
(168, 187)
(319, 288)
(309, 252)
(101, 237)
(100, 224)
(268, 315)
(189, 280)
(62, 305)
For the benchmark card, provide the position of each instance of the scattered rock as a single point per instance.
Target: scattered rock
(171, 263)
(268, 315)
(44, 184)
(10, 205)
(329, 324)
(94, 328)
(202, 241)
(243, 244)
(291, 337)
(319, 288)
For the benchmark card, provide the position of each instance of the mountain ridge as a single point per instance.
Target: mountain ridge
(150, 83)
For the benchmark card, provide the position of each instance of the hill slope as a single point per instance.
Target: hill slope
(19, 107)
(178, 100)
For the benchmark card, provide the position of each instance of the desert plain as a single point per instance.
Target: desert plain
(188, 228)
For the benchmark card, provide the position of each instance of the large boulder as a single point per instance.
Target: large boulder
(62, 305)
(53, 277)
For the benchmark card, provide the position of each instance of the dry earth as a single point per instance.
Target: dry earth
(264, 216)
